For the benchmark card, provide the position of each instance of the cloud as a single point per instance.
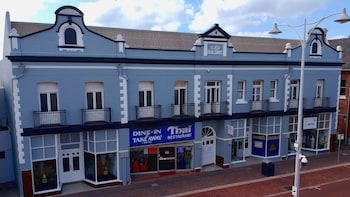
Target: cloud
(153, 14)
(237, 15)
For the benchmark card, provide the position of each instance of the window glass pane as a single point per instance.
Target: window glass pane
(53, 98)
(43, 103)
(100, 135)
(105, 165)
(37, 154)
(64, 138)
(65, 164)
(70, 36)
(149, 98)
(50, 152)
(141, 99)
(91, 136)
(49, 140)
(90, 101)
(98, 100)
(101, 147)
(89, 164)
(111, 146)
(36, 141)
(91, 147)
(176, 94)
(75, 137)
(111, 135)
(45, 175)
(76, 163)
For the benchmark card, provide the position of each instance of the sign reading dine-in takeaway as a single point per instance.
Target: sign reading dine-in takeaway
(140, 137)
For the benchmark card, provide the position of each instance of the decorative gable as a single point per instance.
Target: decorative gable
(216, 41)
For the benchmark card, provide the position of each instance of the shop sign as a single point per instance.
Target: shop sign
(310, 123)
(140, 137)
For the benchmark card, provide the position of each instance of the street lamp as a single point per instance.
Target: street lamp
(299, 157)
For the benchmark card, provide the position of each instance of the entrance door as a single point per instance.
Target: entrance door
(71, 165)
(167, 158)
(71, 158)
(208, 146)
(248, 139)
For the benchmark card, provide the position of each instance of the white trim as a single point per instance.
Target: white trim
(197, 94)
(229, 93)
(18, 122)
(123, 100)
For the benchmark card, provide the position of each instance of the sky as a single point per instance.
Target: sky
(237, 17)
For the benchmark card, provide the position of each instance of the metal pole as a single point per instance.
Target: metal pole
(298, 144)
(338, 148)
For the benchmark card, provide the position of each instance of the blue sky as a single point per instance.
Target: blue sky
(237, 17)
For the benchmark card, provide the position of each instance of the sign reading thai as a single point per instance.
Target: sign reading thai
(140, 137)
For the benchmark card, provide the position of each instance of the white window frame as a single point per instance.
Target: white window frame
(94, 88)
(79, 46)
(319, 88)
(273, 90)
(342, 96)
(180, 86)
(212, 92)
(241, 91)
(257, 90)
(48, 88)
(294, 88)
(146, 87)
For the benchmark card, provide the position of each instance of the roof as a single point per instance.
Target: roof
(345, 44)
(164, 40)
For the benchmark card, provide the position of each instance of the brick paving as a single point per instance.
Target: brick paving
(238, 181)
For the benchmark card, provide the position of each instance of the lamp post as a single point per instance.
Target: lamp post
(343, 18)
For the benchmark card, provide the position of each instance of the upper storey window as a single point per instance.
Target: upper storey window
(316, 48)
(70, 37)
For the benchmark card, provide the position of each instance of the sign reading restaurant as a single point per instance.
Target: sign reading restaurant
(140, 137)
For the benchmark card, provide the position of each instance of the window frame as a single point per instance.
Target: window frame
(241, 89)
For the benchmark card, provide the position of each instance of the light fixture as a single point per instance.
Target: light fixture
(343, 18)
(275, 30)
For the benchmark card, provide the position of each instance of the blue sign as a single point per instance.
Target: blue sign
(140, 137)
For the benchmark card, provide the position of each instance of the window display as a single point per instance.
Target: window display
(45, 175)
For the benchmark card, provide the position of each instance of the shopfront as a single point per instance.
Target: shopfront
(167, 148)
(266, 136)
(70, 157)
(316, 132)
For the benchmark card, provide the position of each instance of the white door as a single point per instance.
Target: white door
(71, 156)
(71, 165)
(248, 141)
(208, 146)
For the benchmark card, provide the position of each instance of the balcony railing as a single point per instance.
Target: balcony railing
(321, 102)
(49, 118)
(183, 110)
(214, 108)
(294, 103)
(262, 105)
(96, 115)
(149, 112)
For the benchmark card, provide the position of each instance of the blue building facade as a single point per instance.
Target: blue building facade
(85, 107)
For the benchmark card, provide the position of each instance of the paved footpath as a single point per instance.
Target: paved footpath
(238, 181)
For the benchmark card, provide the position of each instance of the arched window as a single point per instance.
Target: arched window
(314, 47)
(70, 36)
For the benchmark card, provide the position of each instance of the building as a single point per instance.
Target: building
(344, 101)
(98, 104)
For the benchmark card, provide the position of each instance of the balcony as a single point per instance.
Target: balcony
(321, 102)
(183, 110)
(149, 112)
(49, 118)
(214, 108)
(294, 103)
(92, 116)
(262, 105)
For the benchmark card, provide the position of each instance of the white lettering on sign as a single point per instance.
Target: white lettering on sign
(215, 49)
(178, 132)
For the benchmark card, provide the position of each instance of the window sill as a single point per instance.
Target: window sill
(239, 102)
(274, 100)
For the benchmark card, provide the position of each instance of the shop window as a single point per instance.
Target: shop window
(144, 159)
(292, 128)
(44, 164)
(100, 156)
(184, 157)
(45, 175)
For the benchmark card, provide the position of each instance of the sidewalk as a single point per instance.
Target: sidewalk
(194, 184)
